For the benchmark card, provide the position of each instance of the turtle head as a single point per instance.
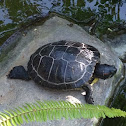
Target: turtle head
(104, 71)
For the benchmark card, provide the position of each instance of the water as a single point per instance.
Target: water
(14, 14)
(120, 103)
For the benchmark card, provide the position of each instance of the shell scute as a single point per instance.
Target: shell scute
(33, 74)
(87, 77)
(36, 61)
(45, 51)
(74, 71)
(57, 74)
(62, 42)
(79, 83)
(44, 67)
(58, 52)
(71, 53)
(80, 58)
(78, 44)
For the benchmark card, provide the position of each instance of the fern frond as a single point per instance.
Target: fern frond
(41, 111)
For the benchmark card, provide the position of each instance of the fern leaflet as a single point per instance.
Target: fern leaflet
(41, 111)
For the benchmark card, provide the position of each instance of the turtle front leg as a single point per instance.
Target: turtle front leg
(88, 96)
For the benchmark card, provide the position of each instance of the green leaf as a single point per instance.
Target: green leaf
(9, 123)
(50, 110)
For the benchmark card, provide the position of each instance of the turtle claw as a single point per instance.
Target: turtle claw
(89, 99)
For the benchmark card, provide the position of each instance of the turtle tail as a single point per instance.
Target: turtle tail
(18, 72)
(88, 96)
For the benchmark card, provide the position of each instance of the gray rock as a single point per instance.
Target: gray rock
(17, 92)
(118, 45)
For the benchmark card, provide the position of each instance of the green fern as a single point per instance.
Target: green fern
(41, 111)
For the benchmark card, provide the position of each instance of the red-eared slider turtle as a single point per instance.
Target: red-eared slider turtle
(65, 65)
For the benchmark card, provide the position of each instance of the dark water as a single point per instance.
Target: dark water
(120, 103)
(110, 14)
(16, 13)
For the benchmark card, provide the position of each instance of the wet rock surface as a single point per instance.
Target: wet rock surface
(118, 45)
(17, 92)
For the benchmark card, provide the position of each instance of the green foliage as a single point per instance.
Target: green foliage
(41, 111)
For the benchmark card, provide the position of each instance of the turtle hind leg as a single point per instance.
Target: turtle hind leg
(88, 96)
(18, 72)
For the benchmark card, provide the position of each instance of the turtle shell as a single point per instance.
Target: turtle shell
(63, 64)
